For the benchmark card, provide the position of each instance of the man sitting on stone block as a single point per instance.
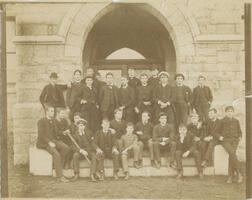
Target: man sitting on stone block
(83, 149)
(211, 125)
(47, 139)
(164, 139)
(197, 128)
(228, 132)
(144, 129)
(105, 147)
(186, 147)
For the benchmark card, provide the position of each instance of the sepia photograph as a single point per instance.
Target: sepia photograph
(126, 99)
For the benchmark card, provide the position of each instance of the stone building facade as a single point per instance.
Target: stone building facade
(188, 36)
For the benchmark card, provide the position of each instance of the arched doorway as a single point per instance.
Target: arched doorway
(129, 27)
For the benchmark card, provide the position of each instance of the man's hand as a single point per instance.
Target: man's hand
(99, 151)
(83, 152)
(66, 132)
(136, 110)
(196, 139)
(221, 138)
(147, 103)
(186, 154)
(199, 125)
(52, 144)
(139, 133)
(113, 131)
(115, 151)
(208, 138)
(83, 101)
(164, 139)
(122, 107)
(162, 143)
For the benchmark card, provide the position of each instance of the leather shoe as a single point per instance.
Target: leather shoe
(204, 163)
(180, 175)
(93, 179)
(126, 175)
(116, 176)
(229, 180)
(63, 179)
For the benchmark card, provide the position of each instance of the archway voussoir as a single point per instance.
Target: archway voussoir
(73, 51)
(74, 40)
(77, 29)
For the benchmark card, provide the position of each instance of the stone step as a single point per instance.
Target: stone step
(145, 171)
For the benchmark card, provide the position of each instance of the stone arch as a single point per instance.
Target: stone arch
(181, 26)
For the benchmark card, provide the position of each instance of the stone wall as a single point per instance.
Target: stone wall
(207, 37)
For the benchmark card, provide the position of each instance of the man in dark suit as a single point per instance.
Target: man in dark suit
(83, 137)
(163, 97)
(153, 81)
(52, 94)
(133, 81)
(163, 137)
(73, 96)
(144, 97)
(89, 104)
(228, 132)
(211, 125)
(202, 98)
(105, 146)
(108, 97)
(186, 147)
(48, 140)
(126, 97)
(182, 99)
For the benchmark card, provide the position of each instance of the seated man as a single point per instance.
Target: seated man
(130, 147)
(47, 139)
(144, 130)
(198, 130)
(211, 125)
(83, 147)
(119, 125)
(163, 137)
(228, 132)
(74, 126)
(186, 147)
(105, 146)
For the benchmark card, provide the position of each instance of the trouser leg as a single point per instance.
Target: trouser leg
(76, 157)
(156, 150)
(141, 146)
(172, 145)
(202, 148)
(125, 162)
(64, 150)
(119, 144)
(197, 157)
(178, 156)
(210, 150)
(93, 163)
(56, 160)
(150, 146)
(100, 162)
(116, 162)
(136, 150)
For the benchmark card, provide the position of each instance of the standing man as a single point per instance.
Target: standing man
(154, 80)
(73, 96)
(164, 138)
(182, 99)
(126, 97)
(228, 132)
(202, 98)
(163, 97)
(52, 94)
(47, 140)
(108, 97)
(133, 81)
(144, 96)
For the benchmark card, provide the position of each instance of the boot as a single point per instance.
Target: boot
(239, 177)
(140, 163)
(116, 176)
(229, 180)
(63, 179)
(173, 165)
(76, 177)
(201, 176)
(204, 163)
(126, 175)
(97, 175)
(93, 179)
(180, 175)
(152, 163)
(136, 164)
(158, 164)
(101, 176)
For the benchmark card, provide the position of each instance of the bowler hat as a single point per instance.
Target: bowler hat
(179, 75)
(229, 108)
(82, 121)
(53, 75)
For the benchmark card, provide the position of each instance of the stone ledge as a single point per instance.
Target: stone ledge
(219, 39)
(43, 39)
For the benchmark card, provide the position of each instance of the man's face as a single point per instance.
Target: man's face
(81, 127)
(76, 118)
(154, 72)
(98, 77)
(182, 130)
(89, 81)
(105, 125)
(124, 81)
(50, 112)
(201, 81)
(230, 113)
(90, 72)
(109, 79)
(179, 80)
(53, 81)
(211, 115)
(163, 120)
(118, 115)
(145, 117)
(62, 114)
(77, 76)
(131, 73)
(144, 79)
(164, 79)
(195, 119)
(130, 129)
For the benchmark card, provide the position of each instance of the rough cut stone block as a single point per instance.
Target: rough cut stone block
(40, 162)
(220, 161)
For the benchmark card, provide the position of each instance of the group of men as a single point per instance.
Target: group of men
(105, 121)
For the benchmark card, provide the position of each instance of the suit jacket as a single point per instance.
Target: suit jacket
(188, 143)
(167, 131)
(84, 141)
(119, 127)
(126, 97)
(143, 93)
(105, 96)
(134, 82)
(47, 132)
(197, 95)
(228, 128)
(73, 96)
(53, 95)
(62, 126)
(153, 82)
(146, 129)
(201, 132)
(163, 94)
(90, 95)
(105, 142)
(187, 94)
(211, 127)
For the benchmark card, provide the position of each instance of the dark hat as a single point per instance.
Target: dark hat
(77, 70)
(162, 114)
(179, 75)
(229, 108)
(201, 76)
(109, 73)
(130, 67)
(53, 75)
(163, 73)
(77, 114)
(82, 121)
